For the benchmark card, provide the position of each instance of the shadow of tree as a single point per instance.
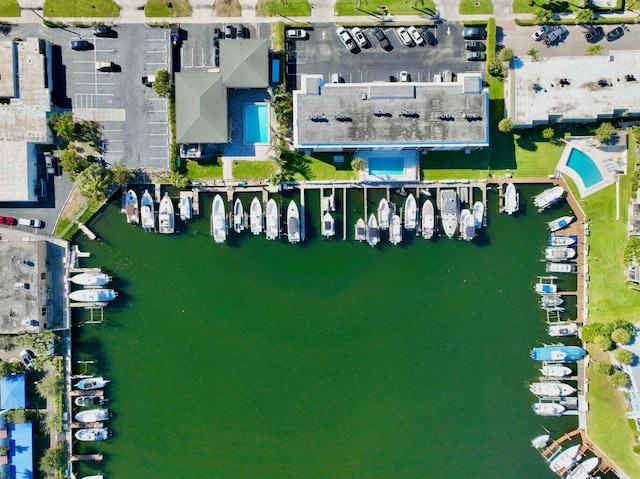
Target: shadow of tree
(295, 163)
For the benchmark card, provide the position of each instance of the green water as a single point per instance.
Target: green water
(329, 359)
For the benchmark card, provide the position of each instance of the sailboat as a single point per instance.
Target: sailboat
(255, 213)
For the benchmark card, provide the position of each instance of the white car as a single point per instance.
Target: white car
(404, 36)
(405, 77)
(358, 34)
(541, 33)
(415, 34)
(297, 34)
(32, 222)
(345, 38)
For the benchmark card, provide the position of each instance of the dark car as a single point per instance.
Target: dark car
(594, 34)
(217, 33)
(381, 37)
(8, 220)
(80, 44)
(240, 31)
(476, 56)
(474, 46)
(428, 36)
(102, 31)
(474, 33)
(27, 358)
(230, 31)
(615, 34)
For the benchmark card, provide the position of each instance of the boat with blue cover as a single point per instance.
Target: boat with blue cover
(557, 353)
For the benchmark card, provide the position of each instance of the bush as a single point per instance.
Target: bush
(506, 55)
(619, 379)
(603, 367)
(592, 330)
(603, 342)
(624, 356)
(605, 132)
(495, 68)
(505, 125)
(162, 84)
(621, 336)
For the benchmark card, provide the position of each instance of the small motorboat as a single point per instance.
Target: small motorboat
(395, 233)
(91, 279)
(540, 441)
(255, 214)
(87, 401)
(511, 199)
(92, 434)
(561, 268)
(428, 219)
(148, 212)
(293, 222)
(557, 353)
(238, 216)
(560, 223)
(546, 288)
(449, 211)
(131, 208)
(555, 370)
(98, 476)
(548, 197)
(383, 214)
(410, 213)
(467, 225)
(373, 233)
(559, 253)
(584, 469)
(166, 216)
(328, 225)
(273, 220)
(560, 240)
(548, 409)
(478, 214)
(93, 415)
(185, 208)
(562, 329)
(219, 220)
(91, 383)
(548, 301)
(93, 295)
(360, 230)
(565, 460)
(552, 389)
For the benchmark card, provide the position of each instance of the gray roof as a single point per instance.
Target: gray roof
(382, 114)
(245, 63)
(201, 108)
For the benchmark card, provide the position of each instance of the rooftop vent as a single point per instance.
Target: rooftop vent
(630, 78)
(446, 117)
(319, 119)
(343, 118)
(382, 114)
(471, 118)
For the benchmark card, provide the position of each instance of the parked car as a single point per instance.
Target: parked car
(31, 222)
(476, 56)
(297, 34)
(105, 66)
(594, 34)
(404, 76)
(217, 33)
(541, 33)
(48, 161)
(8, 220)
(360, 38)
(102, 31)
(615, 34)
(474, 46)
(335, 78)
(474, 33)
(381, 37)
(80, 44)
(428, 35)
(415, 35)
(404, 36)
(345, 38)
(27, 358)
(240, 31)
(230, 31)
(556, 34)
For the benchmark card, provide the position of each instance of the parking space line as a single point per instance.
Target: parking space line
(157, 63)
(158, 99)
(83, 61)
(157, 134)
(157, 122)
(157, 111)
(110, 131)
(157, 39)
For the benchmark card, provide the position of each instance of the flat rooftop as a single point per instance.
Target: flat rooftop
(384, 114)
(592, 88)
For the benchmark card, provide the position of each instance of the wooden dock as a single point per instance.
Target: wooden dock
(80, 425)
(86, 457)
(90, 234)
(90, 392)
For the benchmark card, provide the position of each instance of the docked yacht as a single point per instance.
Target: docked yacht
(559, 240)
(584, 469)
(395, 232)
(565, 460)
(511, 199)
(92, 434)
(166, 216)
(383, 214)
(373, 233)
(552, 370)
(255, 212)
(148, 212)
(548, 409)
(219, 220)
(185, 208)
(478, 214)
(559, 253)
(93, 415)
(93, 295)
(561, 268)
(548, 197)
(273, 219)
(557, 353)
(467, 225)
(428, 219)
(87, 384)
(552, 389)
(560, 223)
(550, 301)
(558, 330)
(91, 279)
(293, 222)
(328, 225)
(86, 401)
(540, 441)
(410, 213)
(449, 209)
(238, 216)
(131, 208)
(360, 230)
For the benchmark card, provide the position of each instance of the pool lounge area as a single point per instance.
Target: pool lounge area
(390, 165)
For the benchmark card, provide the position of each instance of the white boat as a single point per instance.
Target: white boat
(238, 216)
(546, 288)
(93, 295)
(395, 233)
(148, 212)
(255, 213)
(560, 223)
(559, 253)
(131, 208)
(410, 213)
(328, 225)
(511, 199)
(558, 330)
(548, 197)
(92, 434)
(428, 219)
(328, 203)
(273, 220)
(383, 214)
(86, 401)
(560, 240)
(540, 441)
(561, 268)
(360, 230)
(185, 208)
(293, 222)
(93, 278)
(548, 301)
(93, 415)
(449, 209)
(565, 460)
(219, 220)
(166, 216)
(467, 225)
(548, 409)
(478, 214)
(373, 233)
(584, 469)
(552, 389)
(86, 384)
(552, 370)
(98, 476)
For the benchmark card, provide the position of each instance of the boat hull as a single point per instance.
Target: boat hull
(185, 208)
(256, 216)
(328, 225)
(92, 434)
(383, 214)
(293, 222)
(91, 279)
(395, 234)
(238, 216)
(449, 209)
(273, 229)
(219, 219)
(428, 219)
(557, 353)
(166, 216)
(93, 295)
(548, 197)
(360, 230)
(88, 384)
(478, 214)
(410, 213)
(511, 199)
(373, 233)
(131, 208)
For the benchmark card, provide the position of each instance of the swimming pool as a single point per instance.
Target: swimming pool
(386, 166)
(585, 167)
(256, 123)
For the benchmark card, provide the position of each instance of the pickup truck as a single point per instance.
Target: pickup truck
(556, 35)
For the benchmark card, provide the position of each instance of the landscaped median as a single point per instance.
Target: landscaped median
(392, 7)
(165, 9)
(283, 8)
(73, 8)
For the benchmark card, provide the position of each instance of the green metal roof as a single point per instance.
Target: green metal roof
(245, 63)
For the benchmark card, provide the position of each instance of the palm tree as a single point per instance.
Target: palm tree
(584, 15)
(541, 16)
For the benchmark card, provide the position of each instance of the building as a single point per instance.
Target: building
(573, 89)
(442, 115)
(25, 100)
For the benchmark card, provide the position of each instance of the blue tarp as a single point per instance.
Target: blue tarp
(12, 392)
(20, 451)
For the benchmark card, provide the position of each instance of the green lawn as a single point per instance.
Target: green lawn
(83, 8)
(322, 168)
(394, 7)
(243, 170)
(9, 8)
(227, 8)
(285, 8)
(160, 8)
(204, 169)
(468, 7)
(556, 6)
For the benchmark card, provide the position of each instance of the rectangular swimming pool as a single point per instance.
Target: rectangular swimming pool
(386, 165)
(256, 123)
(584, 166)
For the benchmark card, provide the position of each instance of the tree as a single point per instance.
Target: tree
(506, 55)
(52, 423)
(584, 15)
(605, 132)
(624, 356)
(619, 379)
(603, 342)
(505, 125)
(533, 53)
(50, 385)
(178, 180)
(541, 16)
(120, 173)
(16, 416)
(495, 68)
(63, 125)
(162, 84)
(594, 50)
(358, 164)
(5, 369)
(72, 163)
(52, 460)
(548, 133)
(621, 336)
(603, 367)
(93, 182)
